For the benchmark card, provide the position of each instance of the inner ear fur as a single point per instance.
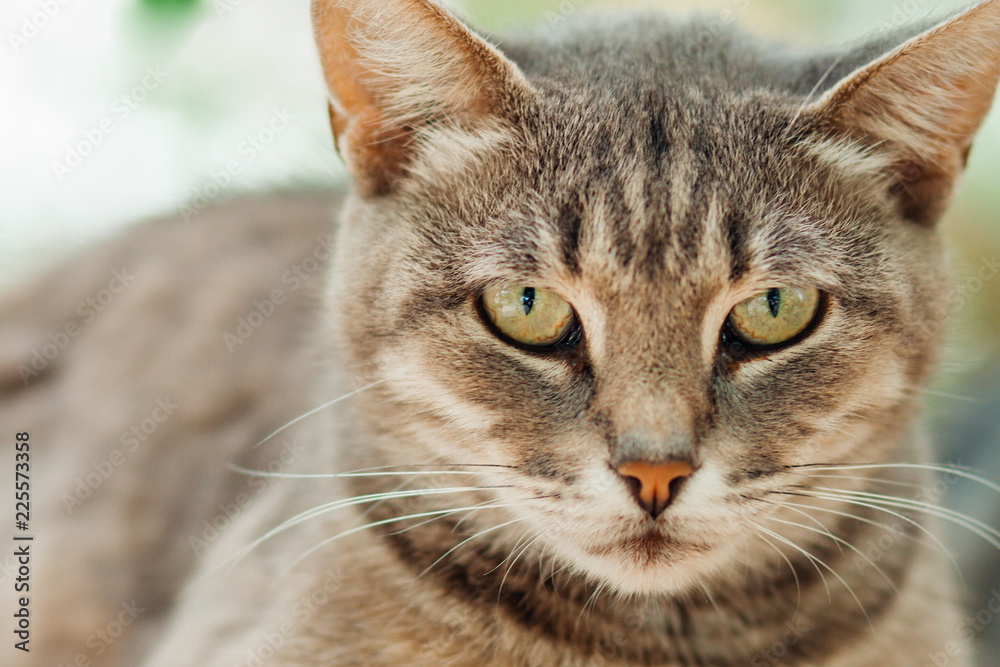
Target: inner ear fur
(396, 67)
(923, 103)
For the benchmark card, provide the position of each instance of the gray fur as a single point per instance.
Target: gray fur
(651, 178)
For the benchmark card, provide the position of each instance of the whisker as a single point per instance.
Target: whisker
(511, 565)
(853, 436)
(376, 524)
(975, 526)
(557, 571)
(812, 559)
(510, 553)
(334, 475)
(591, 600)
(877, 508)
(960, 471)
(806, 515)
(412, 475)
(795, 574)
(840, 541)
(315, 410)
(916, 504)
(816, 561)
(435, 465)
(467, 540)
(868, 479)
(809, 98)
(855, 517)
(957, 397)
(408, 479)
(340, 504)
(718, 611)
(472, 508)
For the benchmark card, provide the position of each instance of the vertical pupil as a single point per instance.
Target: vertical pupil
(528, 299)
(774, 301)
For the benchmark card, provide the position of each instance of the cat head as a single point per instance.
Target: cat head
(646, 280)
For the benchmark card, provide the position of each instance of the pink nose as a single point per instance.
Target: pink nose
(653, 491)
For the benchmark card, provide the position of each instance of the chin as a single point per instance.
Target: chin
(651, 563)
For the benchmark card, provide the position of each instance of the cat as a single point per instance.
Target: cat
(613, 358)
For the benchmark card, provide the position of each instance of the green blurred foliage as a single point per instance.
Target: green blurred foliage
(158, 26)
(170, 5)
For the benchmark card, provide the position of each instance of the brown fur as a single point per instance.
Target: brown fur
(654, 182)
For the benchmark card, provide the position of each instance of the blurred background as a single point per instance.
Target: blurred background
(112, 110)
(116, 110)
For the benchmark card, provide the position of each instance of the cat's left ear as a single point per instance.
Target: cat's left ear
(398, 72)
(923, 102)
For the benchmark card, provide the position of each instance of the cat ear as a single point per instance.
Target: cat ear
(923, 102)
(396, 69)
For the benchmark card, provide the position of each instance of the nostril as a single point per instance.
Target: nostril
(676, 484)
(634, 485)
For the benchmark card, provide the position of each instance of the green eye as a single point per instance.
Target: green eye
(775, 316)
(528, 315)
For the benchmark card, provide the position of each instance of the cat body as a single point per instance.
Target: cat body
(655, 483)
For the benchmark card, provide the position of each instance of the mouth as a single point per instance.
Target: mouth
(649, 547)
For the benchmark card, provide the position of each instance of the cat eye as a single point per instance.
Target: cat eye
(529, 315)
(775, 316)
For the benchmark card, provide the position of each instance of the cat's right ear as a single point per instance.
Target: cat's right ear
(401, 71)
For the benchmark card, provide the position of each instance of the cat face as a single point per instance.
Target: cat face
(652, 240)
(561, 276)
